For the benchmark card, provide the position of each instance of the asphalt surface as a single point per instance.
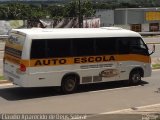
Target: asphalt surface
(90, 99)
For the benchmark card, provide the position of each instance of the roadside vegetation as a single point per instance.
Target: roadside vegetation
(1, 77)
(23, 11)
(156, 66)
(68, 8)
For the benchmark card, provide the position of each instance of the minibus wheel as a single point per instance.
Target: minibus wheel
(69, 84)
(135, 77)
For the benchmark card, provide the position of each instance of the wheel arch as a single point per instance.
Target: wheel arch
(138, 69)
(72, 74)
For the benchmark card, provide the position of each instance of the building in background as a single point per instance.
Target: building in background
(7, 25)
(136, 19)
(91, 23)
(106, 17)
(64, 23)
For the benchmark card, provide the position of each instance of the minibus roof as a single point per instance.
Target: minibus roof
(50, 33)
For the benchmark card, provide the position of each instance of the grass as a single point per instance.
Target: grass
(156, 66)
(1, 77)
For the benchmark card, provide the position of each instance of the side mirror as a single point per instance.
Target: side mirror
(153, 49)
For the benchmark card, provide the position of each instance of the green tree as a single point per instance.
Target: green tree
(72, 9)
(87, 9)
(55, 11)
(3, 12)
(17, 10)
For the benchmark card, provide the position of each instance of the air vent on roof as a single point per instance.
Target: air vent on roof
(36, 28)
(46, 30)
(112, 28)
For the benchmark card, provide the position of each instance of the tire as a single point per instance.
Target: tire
(69, 84)
(135, 77)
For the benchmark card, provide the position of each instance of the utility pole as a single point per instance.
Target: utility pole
(80, 18)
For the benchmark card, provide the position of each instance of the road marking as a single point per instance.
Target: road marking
(129, 109)
(156, 70)
(114, 89)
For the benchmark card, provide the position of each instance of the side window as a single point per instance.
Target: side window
(123, 45)
(38, 49)
(58, 48)
(131, 45)
(105, 46)
(138, 46)
(83, 47)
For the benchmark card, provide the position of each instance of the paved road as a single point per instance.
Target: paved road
(157, 50)
(92, 99)
(152, 39)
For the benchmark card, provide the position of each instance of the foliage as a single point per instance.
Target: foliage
(1, 77)
(86, 9)
(20, 10)
(24, 10)
(112, 4)
(156, 66)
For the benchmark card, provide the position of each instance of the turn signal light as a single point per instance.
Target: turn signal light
(22, 68)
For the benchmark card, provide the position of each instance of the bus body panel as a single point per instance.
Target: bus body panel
(45, 76)
(11, 74)
(126, 67)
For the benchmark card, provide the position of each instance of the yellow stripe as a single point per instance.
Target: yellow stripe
(15, 46)
(16, 60)
(78, 60)
(12, 59)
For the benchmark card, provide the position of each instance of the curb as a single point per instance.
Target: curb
(153, 43)
(4, 81)
(155, 108)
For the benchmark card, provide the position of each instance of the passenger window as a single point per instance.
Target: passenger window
(105, 46)
(123, 46)
(38, 49)
(50, 48)
(58, 48)
(83, 47)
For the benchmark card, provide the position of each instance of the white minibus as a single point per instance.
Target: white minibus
(68, 57)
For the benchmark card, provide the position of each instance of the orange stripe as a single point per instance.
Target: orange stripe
(78, 60)
(14, 46)
(133, 57)
(16, 60)
(12, 59)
